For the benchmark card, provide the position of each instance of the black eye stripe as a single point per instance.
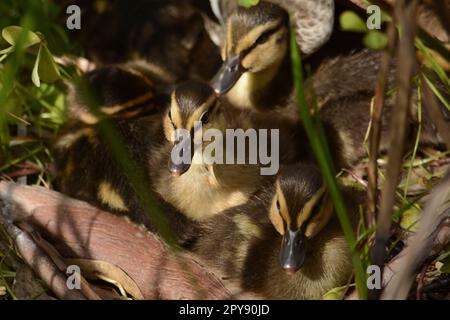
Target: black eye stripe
(170, 117)
(265, 35)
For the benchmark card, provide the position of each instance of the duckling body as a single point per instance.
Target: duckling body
(243, 243)
(345, 104)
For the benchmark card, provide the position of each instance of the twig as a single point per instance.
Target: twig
(85, 288)
(420, 282)
(432, 236)
(375, 132)
(36, 259)
(405, 15)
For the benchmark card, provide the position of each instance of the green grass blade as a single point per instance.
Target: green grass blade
(317, 139)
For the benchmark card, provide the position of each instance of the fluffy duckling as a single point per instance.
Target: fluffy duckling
(123, 91)
(167, 34)
(87, 169)
(256, 71)
(313, 20)
(256, 74)
(189, 186)
(345, 106)
(284, 243)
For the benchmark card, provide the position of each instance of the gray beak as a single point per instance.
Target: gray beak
(228, 75)
(181, 147)
(292, 255)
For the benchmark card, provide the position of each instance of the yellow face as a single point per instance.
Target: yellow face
(256, 41)
(208, 113)
(300, 209)
(194, 109)
(260, 47)
(310, 217)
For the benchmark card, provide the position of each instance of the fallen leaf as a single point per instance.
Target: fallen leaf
(109, 273)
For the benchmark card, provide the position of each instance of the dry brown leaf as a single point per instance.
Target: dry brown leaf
(95, 269)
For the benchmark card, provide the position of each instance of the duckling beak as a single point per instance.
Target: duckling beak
(181, 147)
(292, 255)
(228, 75)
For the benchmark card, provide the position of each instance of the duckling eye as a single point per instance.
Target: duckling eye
(262, 38)
(204, 118)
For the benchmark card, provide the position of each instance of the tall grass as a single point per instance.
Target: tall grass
(321, 150)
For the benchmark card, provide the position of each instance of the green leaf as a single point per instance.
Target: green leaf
(336, 293)
(410, 218)
(375, 40)
(13, 34)
(48, 70)
(350, 21)
(35, 72)
(7, 50)
(248, 3)
(44, 68)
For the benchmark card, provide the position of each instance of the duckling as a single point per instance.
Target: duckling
(122, 91)
(189, 186)
(256, 72)
(256, 75)
(283, 243)
(168, 35)
(87, 169)
(313, 20)
(345, 107)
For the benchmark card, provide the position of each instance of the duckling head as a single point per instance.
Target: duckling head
(256, 39)
(194, 106)
(300, 209)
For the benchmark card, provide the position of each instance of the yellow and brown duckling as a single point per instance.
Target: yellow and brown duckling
(312, 20)
(346, 102)
(284, 243)
(168, 35)
(256, 72)
(88, 169)
(202, 188)
(117, 91)
(86, 162)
